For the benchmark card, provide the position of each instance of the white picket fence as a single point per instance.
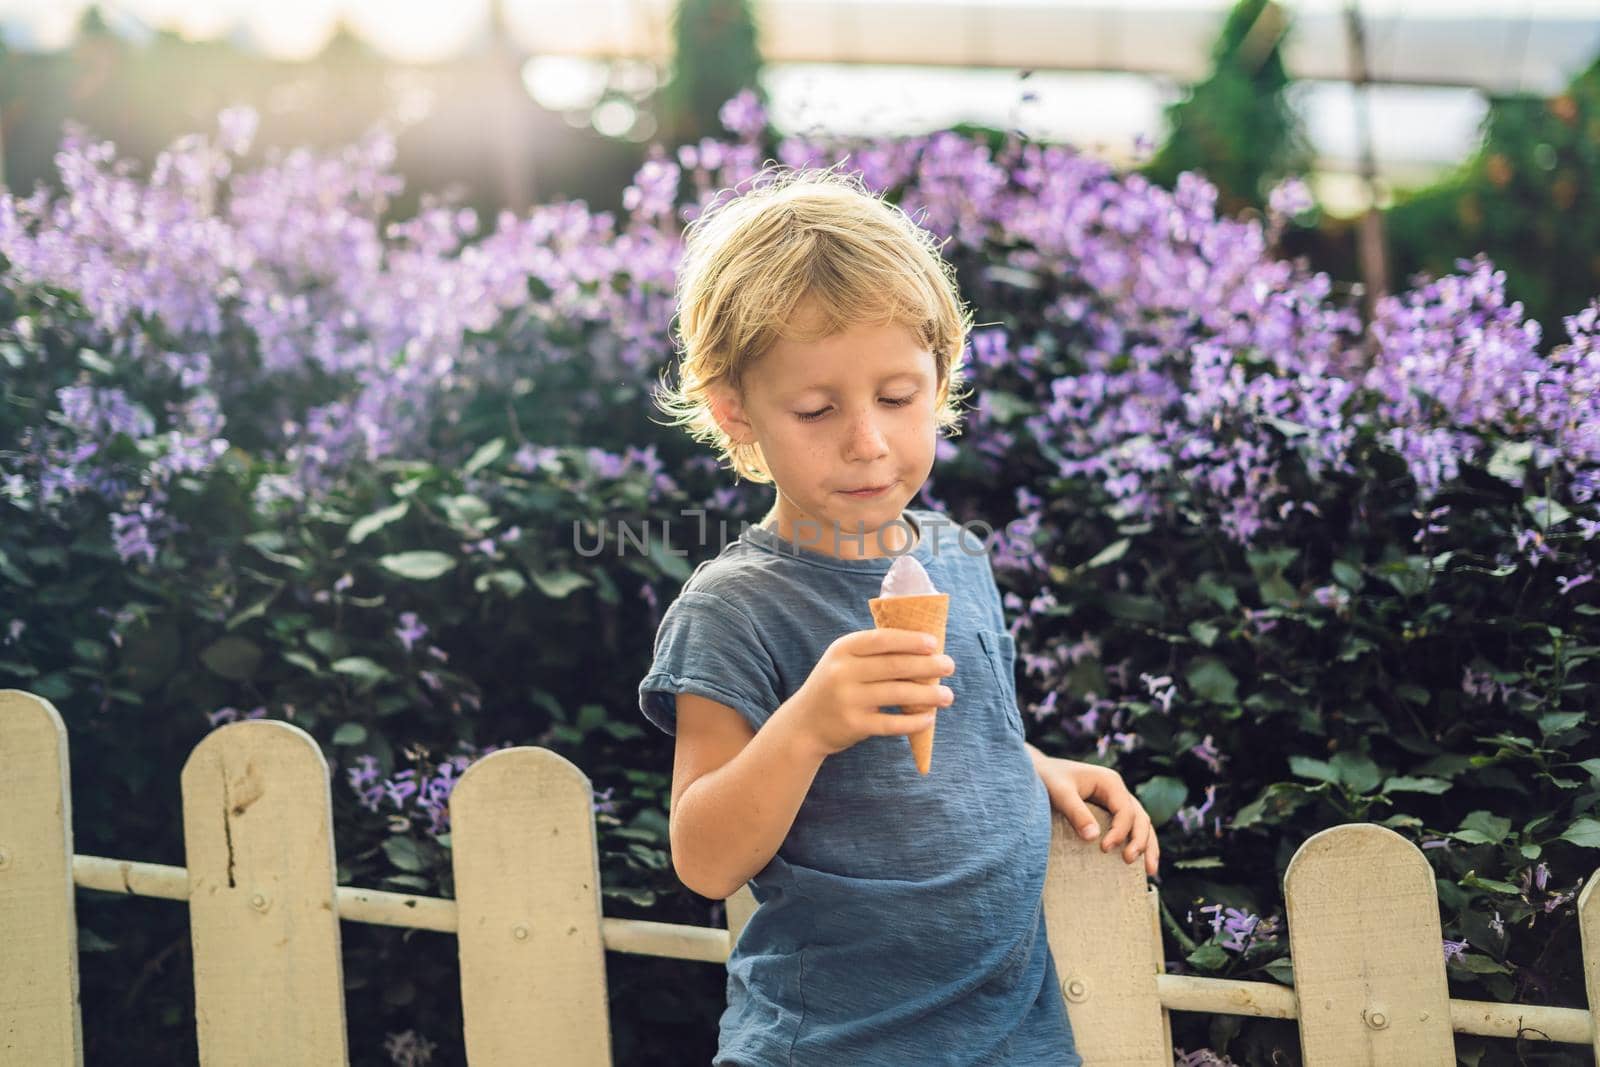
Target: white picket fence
(264, 910)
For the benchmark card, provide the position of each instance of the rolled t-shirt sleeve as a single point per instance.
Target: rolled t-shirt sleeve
(709, 646)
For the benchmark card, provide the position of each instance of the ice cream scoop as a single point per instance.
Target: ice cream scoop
(907, 577)
(908, 601)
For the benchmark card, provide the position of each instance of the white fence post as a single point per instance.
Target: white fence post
(39, 1019)
(1589, 931)
(1105, 938)
(1368, 951)
(258, 834)
(527, 873)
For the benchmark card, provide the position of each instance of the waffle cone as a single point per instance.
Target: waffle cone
(925, 613)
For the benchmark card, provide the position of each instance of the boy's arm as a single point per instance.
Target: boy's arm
(735, 792)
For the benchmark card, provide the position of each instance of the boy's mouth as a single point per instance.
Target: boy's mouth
(868, 491)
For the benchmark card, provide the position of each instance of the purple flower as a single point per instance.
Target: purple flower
(1569, 584)
(654, 191)
(743, 115)
(1207, 752)
(410, 631)
(1289, 198)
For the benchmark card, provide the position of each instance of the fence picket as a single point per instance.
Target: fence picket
(738, 909)
(258, 837)
(39, 1019)
(1105, 938)
(1589, 931)
(527, 873)
(1367, 950)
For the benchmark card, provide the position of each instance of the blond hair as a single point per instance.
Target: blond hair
(817, 237)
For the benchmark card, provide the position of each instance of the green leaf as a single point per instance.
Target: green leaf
(1478, 963)
(270, 544)
(1509, 459)
(1404, 784)
(1162, 796)
(1347, 574)
(350, 733)
(1412, 694)
(507, 582)
(484, 456)
(303, 661)
(1356, 771)
(1306, 767)
(234, 658)
(590, 716)
(622, 731)
(558, 584)
(1211, 680)
(418, 566)
(1204, 632)
(1584, 832)
(1593, 767)
(403, 853)
(368, 525)
(95, 361)
(1278, 800)
(1493, 827)
(1471, 881)
(364, 670)
(1222, 595)
(330, 644)
(1282, 970)
(1268, 565)
(1557, 721)
(1287, 427)
(1135, 608)
(1408, 576)
(11, 574)
(1209, 957)
(254, 611)
(1546, 512)
(468, 512)
(1109, 554)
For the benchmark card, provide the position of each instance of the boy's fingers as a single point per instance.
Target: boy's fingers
(903, 667)
(889, 723)
(895, 639)
(1079, 815)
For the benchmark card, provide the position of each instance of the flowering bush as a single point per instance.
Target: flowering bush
(264, 451)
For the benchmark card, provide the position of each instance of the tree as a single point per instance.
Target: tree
(1236, 126)
(715, 55)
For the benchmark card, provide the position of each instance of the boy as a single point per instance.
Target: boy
(900, 918)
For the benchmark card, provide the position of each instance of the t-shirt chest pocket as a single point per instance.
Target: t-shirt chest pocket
(1000, 650)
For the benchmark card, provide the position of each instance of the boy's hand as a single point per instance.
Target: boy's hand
(1070, 783)
(863, 672)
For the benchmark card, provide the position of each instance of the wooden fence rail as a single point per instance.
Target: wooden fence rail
(1364, 930)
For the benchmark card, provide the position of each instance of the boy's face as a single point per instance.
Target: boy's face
(850, 411)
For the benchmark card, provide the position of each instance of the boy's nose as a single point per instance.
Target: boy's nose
(866, 441)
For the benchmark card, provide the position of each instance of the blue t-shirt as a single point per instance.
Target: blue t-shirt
(901, 920)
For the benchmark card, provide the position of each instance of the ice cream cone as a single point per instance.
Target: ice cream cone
(925, 613)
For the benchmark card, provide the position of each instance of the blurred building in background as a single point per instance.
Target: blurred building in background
(521, 99)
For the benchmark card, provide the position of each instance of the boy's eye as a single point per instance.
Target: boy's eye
(892, 401)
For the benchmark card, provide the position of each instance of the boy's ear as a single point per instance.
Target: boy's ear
(728, 409)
